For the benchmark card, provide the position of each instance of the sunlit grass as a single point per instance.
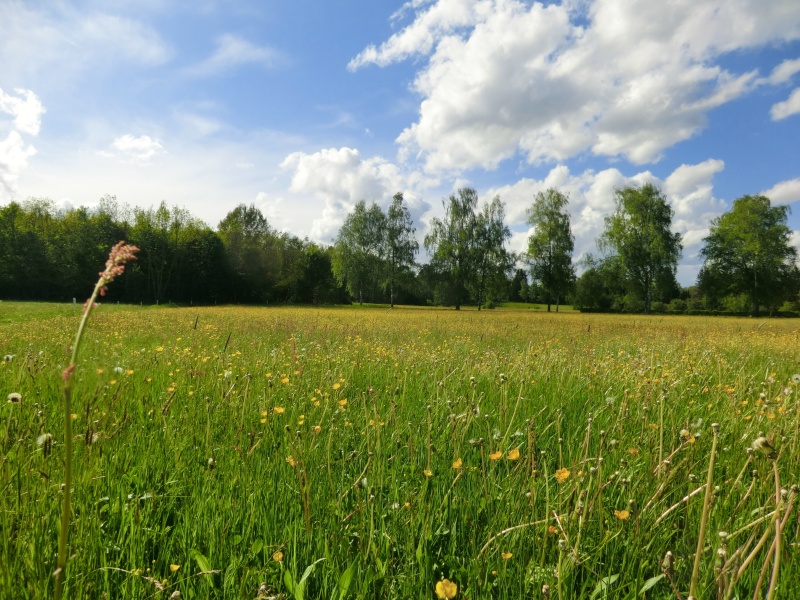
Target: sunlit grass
(218, 449)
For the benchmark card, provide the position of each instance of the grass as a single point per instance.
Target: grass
(226, 452)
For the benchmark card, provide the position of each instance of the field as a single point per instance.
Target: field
(410, 453)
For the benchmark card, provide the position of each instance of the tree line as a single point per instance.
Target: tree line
(749, 265)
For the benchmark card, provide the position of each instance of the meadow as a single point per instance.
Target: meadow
(409, 453)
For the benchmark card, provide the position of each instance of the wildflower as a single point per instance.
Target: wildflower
(14, 397)
(284, 380)
(562, 475)
(174, 568)
(506, 555)
(457, 463)
(292, 462)
(633, 451)
(277, 556)
(496, 455)
(446, 589)
(342, 402)
(119, 370)
(513, 455)
(278, 410)
(622, 514)
(552, 530)
(337, 385)
(317, 428)
(427, 473)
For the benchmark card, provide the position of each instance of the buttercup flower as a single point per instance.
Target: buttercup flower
(446, 589)
(562, 475)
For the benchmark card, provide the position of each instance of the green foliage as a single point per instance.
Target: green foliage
(468, 249)
(551, 244)
(399, 247)
(748, 251)
(639, 233)
(357, 261)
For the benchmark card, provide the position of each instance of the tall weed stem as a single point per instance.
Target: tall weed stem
(120, 254)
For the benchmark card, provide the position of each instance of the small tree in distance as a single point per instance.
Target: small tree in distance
(639, 232)
(551, 244)
(749, 251)
(399, 246)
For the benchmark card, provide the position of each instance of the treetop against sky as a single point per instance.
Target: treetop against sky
(306, 108)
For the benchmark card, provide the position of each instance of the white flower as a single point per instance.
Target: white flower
(14, 397)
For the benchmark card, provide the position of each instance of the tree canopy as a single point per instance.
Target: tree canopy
(639, 233)
(748, 251)
(551, 244)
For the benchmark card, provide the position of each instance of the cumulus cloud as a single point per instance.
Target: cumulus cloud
(26, 111)
(608, 77)
(233, 51)
(784, 192)
(787, 108)
(134, 149)
(342, 177)
(14, 155)
(26, 108)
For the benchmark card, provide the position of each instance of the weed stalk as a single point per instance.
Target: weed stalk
(120, 254)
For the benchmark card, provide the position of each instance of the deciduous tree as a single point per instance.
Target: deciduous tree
(639, 232)
(357, 260)
(399, 246)
(551, 244)
(749, 251)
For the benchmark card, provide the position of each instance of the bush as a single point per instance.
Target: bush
(678, 305)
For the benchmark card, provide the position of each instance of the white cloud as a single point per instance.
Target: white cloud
(342, 177)
(14, 155)
(784, 192)
(233, 51)
(26, 109)
(611, 77)
(784, 71)
(134, 149)
(58, 42)
(790, 106)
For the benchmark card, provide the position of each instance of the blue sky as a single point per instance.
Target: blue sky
(304, 108)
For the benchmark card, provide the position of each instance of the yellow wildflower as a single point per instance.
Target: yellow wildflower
(292, 462)
(496, 455)
(513, 455)
(278, 410)
(277, 556)
(173, 568)
(446, 589)
(506, 555)
(562, 475)
(622, 514)
(457, 463)
(427, 473)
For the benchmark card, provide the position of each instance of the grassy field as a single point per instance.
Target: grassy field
(408, 453)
